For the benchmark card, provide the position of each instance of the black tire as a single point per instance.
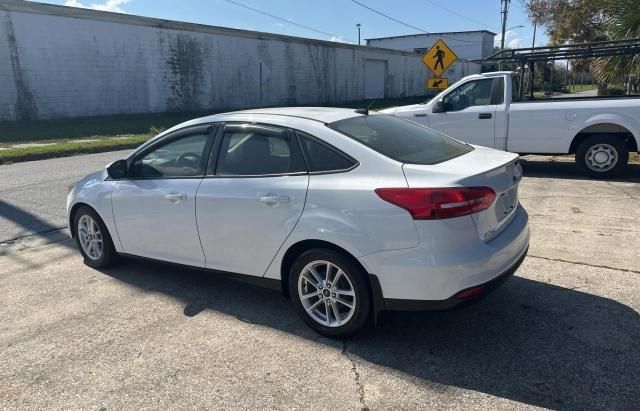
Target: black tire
(611, 142)
(108, 255)
(357, 279)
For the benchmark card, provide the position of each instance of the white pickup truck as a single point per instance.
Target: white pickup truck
(485, 109)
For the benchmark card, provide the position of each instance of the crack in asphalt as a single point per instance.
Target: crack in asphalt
(36, 183)
(560, 260)
(356, 376)
(629, 195)
(38, 234)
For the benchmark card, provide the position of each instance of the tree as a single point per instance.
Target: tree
(583, 21)
(570, 21)
(622, 22)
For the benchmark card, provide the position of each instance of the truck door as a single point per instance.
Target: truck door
(468, 112)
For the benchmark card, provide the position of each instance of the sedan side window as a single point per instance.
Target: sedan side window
(256, 151)
(472, 93)
(177, 158)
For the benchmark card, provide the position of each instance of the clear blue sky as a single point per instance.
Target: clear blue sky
(337, 18)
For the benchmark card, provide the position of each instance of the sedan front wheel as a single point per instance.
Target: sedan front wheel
(93, 239)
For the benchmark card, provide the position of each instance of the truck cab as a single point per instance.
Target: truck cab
(486, 110)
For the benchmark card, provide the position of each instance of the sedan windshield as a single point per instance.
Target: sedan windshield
(401, 140)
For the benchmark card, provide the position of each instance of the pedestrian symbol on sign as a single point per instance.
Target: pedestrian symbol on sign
(439, 57)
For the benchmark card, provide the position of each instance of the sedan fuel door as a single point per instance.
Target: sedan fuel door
(252, 197)
(155, 205)
(468, 112)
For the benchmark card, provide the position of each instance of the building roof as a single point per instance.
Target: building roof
(96, 15)
(433, 34)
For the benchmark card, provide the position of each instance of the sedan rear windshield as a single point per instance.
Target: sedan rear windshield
(401, 140)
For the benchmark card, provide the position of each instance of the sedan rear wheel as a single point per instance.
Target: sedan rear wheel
(330, 292)
(326, 293)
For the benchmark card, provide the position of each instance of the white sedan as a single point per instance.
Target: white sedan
(348, 213)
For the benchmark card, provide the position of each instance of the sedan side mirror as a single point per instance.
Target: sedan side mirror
(438, 107)
(117, 169)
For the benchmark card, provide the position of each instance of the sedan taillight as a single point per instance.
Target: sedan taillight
(439, 203)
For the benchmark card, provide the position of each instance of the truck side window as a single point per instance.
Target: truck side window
(472, 93)
(515, 90)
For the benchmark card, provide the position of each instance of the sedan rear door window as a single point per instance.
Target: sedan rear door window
(258, 151)
(400, 139)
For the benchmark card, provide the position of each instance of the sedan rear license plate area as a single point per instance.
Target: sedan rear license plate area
(507, 202)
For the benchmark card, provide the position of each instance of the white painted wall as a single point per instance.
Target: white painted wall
(469, 45)
(60, 62)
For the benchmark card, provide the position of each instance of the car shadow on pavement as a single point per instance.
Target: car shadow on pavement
(530, 341)
(568, 170)
(34, 229)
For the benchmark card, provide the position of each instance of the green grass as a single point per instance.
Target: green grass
(581, 87)
(111, 132)
(23, 131)
(65, 148)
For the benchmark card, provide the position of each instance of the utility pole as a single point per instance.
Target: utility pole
(358, 26)
(531, 63)
(504, 10)
(535, 26)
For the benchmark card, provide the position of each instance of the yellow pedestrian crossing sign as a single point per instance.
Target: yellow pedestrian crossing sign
(437, 83)
(439, 57)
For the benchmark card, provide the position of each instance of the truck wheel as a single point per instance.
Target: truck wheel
(602, 156)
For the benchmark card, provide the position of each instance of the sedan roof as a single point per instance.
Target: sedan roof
(321, 114)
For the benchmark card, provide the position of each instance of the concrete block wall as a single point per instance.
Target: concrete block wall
(61, 62)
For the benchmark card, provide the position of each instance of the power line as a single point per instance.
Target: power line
(264, 13)
(407, 24)
(389, 17)
(433, 3)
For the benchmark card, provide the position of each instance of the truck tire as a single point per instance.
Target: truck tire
(602, 156)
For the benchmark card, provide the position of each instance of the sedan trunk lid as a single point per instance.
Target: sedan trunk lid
(482, 167)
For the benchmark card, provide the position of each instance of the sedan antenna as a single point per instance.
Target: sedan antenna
(365, 111)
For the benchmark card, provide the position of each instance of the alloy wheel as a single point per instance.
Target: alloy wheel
(90, 237)
(326, 293)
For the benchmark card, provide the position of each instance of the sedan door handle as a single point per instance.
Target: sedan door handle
(175, 197)
(273, 199)
(482, 116)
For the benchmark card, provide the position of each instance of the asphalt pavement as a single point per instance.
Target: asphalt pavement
(33, 194)
(563, 333)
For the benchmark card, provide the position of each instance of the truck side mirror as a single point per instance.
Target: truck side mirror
(438, 107)
(117, 169)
